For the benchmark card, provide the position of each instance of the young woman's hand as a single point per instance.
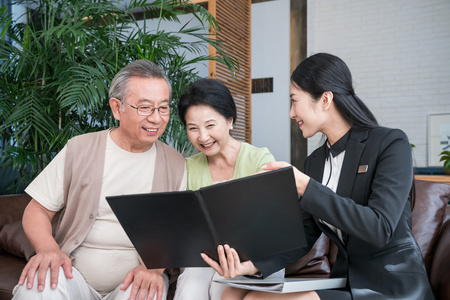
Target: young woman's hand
(301, 179)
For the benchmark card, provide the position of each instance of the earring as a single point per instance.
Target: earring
(231, 127)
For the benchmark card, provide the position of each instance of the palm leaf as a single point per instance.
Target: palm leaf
(54, 76)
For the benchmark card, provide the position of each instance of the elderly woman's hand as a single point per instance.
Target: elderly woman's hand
(230, 265)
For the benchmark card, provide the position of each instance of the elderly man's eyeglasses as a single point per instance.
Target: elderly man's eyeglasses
(148, 110)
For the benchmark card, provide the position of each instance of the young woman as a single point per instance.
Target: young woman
(208, 110)
(355, 189)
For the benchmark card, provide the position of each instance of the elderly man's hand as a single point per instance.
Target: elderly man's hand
(145, 283)
(44, 260)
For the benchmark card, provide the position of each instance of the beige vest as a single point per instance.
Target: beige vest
(83, 173)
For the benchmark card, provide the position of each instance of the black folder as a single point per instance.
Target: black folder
(258, 215)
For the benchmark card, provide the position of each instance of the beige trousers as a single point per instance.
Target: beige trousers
(72, 289)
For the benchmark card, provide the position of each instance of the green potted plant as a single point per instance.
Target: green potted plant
(445, 157)
(55, 70)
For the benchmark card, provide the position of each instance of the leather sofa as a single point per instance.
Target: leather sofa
(431, 227)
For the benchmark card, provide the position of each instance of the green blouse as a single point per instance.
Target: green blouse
(249, 161)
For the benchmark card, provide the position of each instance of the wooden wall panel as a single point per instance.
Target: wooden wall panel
(234, 20)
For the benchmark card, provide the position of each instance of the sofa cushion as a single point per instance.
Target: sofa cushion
(11, 267)
(428, 215)
(14, 240)
(439, 274)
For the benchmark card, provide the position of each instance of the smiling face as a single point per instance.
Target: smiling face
(207, 129)
(138, 133)
(306, 111)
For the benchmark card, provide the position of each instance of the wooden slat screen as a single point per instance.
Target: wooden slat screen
(234, 19)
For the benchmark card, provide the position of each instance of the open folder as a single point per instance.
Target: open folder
(258, 215)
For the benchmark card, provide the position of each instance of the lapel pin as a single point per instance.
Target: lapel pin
(363, 168)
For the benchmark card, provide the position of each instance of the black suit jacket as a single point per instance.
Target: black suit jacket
(379, 256)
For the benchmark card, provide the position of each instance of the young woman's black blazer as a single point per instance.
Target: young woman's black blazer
(380, 256)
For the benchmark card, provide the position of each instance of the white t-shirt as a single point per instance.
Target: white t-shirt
(107, 254)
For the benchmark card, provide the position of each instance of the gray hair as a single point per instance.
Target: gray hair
(140, 68)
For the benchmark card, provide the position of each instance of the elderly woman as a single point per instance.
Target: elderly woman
(208, 110)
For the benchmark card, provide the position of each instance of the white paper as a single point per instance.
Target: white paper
(284, 285)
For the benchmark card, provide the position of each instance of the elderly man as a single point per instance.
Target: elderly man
(90, 256)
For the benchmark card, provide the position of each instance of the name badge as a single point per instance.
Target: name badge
(363, 168)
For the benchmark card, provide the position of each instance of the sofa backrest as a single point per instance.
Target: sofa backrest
(428, 215)
(12, 207)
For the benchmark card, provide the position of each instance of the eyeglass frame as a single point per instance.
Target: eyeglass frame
(152, 111)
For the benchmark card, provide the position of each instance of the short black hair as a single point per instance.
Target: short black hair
(209, 92)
